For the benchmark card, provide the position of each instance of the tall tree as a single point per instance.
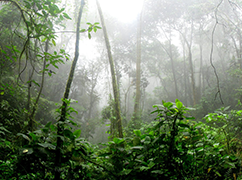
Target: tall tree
(136, 115)
(114, 79)
(66, 95)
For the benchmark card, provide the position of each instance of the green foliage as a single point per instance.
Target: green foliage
(172, 147)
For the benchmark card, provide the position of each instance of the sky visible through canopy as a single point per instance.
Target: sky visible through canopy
(123, 10)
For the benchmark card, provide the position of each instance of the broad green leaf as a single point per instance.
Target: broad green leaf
(179, 104)
(137, 133)
(118, 140)
(151, 133)
(77, 133)
(168, 104)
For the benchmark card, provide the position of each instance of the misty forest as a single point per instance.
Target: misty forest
(120, 89)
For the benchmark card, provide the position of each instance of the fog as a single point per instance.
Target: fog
(190, 50)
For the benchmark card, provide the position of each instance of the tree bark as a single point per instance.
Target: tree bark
(114, 80)
(66, 95)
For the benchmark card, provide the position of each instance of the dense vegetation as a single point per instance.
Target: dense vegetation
(169, 107)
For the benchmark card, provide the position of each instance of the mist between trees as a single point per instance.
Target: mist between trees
(79, 83)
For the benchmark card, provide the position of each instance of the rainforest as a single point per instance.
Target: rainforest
(120, 90)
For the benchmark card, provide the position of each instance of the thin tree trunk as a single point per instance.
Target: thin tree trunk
(136, 115)
(66, 96)
(185, 73)
(31, 116)
(173, 68)
(114, 80)
(189, 46)
(200, 71)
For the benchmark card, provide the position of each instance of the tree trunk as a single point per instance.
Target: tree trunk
(200, 71)
(31, 116)
(136, 115)
(114, 80)
(66, 95)
(189, 46)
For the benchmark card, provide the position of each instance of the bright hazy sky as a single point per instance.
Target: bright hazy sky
(124, 10)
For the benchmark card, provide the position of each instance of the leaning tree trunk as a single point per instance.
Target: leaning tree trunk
(114, 81)
(66, 95)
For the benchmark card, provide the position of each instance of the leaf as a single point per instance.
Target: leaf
(199, 149)
(168, 104)
(94, 29)
(34, 137)
(3, 51)
(151, 164)
(226, 108)
(179, 104)
(77, 133)
(53, 42)
(118, 140)
(83, 30)
(137, 133)
(67, 133)
(47, 145)
(89, 35)
(98, 27)
(3, 129)
(157, 172)
(183, 125)
(66, 16)
(137, 147)
(24, 136)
